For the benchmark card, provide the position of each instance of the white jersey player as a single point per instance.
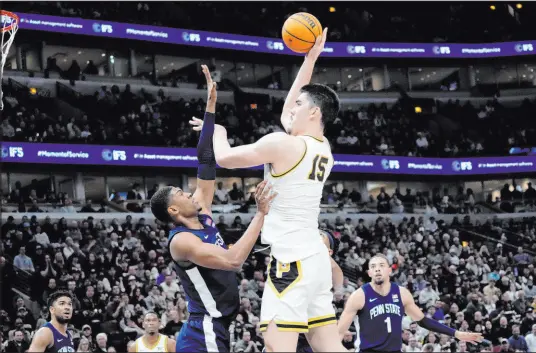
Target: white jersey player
(152, 340)
(298, 295)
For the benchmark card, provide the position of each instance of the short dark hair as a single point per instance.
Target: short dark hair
(325, 98)
(334, 243)
(57, 295)
(160, 203)
(150, 312)
(381, 256)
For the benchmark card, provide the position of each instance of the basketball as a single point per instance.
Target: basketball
(300, 31)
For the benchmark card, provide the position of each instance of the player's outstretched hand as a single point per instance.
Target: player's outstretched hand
(197, 124)
(471, 337)
(317, 49)
(211, 85)
(264, 197)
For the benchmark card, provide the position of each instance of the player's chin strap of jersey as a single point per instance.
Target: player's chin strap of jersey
(435, 326)
(205, 150)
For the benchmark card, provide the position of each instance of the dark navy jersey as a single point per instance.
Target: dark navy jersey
(61, 342)
(380, 320)
(208, 292)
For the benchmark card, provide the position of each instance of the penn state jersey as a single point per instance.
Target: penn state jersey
(208, 291)
(379, 322)
(291, 226)
(61, 342)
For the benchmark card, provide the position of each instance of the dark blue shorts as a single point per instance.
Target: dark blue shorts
(303, 345)
(304, 348)
(203, 334)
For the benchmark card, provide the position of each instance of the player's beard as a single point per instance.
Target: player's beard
(379, 282)
(62, 320)
(152, 333)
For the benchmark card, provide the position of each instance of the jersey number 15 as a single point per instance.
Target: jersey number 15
(318, 170)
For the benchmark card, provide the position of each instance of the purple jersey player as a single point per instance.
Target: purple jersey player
(380, 307)
(53, 336)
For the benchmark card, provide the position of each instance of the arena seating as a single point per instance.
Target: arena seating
(459, 272)
(469, 264)
(141, 118)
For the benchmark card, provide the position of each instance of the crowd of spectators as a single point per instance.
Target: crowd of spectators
(365, 22)
(140, 118)
(121, 269)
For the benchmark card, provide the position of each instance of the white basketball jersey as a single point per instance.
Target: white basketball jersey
(291, 226)
(160, 346)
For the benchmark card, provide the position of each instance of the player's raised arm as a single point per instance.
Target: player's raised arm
(303, 78)
(206, 171)
(353, 305)
(416, 314)
(264, 151)
(41, 340)
(189, 247)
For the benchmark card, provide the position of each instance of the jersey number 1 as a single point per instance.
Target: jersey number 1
(388, 322)
(318, 163)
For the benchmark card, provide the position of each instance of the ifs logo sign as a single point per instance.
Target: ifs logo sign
(462, 166)
(389, 164)
(98, 28)
(12, 152)
(114, 155)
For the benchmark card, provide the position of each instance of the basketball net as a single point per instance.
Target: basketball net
(9, 24)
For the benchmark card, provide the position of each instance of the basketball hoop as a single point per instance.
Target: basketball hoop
(9, 24)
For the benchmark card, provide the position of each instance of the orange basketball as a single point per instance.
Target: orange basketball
(300, 31)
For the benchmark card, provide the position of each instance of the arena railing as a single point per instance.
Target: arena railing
(22, 279)
(369, 218)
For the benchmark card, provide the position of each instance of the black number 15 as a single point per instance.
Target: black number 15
(319, 163)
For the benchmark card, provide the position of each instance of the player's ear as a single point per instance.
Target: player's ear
(173, 211)
(316, 113)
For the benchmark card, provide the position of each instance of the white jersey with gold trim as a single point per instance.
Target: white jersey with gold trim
(160, 346)
(291, 226)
